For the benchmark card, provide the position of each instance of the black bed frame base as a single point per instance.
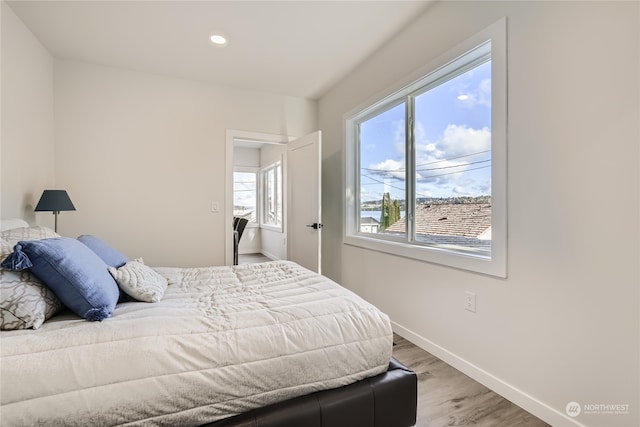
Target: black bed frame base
(386, 400)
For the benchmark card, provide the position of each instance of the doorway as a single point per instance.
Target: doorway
(285, 174)
(256, 163)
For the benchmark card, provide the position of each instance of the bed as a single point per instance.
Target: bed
(269, 344)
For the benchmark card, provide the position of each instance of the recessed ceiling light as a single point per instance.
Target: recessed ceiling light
(218, 39)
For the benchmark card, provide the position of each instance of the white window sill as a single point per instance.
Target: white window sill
(460, 258)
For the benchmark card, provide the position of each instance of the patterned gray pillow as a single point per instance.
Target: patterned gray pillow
(37, 232)
(5, 249)
(25, 302)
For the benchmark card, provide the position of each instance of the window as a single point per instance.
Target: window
(272, 197)
(426, 166)
(245, 193)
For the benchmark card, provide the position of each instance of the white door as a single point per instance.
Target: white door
(303, 218)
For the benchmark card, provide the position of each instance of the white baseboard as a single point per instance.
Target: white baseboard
(261, 252)
(514, 395)
(269, 255)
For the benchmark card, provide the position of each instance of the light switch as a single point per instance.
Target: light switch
(215, 208)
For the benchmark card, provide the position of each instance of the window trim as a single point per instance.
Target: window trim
(279, 195)
(496, 265)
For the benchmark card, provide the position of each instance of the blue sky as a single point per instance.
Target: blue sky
(453, 142)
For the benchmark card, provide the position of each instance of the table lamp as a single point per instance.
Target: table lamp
(54, 201)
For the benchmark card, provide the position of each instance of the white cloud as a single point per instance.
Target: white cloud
(393, 168)
(462, 140)
(440, 164)
(390, 168)
(472, 97)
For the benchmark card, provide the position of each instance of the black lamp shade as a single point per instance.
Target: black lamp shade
(55, 200)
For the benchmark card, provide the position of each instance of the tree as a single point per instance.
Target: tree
(390, 212)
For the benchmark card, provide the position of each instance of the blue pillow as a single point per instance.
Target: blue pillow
(75, 274)
(109, 255)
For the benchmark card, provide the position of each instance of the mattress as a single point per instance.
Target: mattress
(223, 340)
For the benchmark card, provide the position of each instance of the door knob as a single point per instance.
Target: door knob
(315, 225)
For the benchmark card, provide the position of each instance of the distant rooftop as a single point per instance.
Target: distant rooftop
(468, 220)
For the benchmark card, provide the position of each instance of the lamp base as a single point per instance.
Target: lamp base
(55, 221)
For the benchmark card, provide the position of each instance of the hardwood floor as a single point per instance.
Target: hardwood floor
(447, 397)
(251, 258)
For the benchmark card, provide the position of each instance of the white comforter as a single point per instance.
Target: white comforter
(222, 341)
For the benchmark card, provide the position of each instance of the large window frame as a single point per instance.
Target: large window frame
(489, 43)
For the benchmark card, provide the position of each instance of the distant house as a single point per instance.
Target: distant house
(369, 225)
(466, 224)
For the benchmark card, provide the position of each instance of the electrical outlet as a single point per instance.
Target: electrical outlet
(470, 301)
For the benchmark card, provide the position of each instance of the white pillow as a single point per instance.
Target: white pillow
(140, 281)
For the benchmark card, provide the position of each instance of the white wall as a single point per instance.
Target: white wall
(143, 156)
(564, 325)
(27, 144)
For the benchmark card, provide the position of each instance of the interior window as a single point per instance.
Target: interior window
(272, 196)
(245, 194)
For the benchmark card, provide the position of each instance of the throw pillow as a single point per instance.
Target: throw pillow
(75, 274)
(109, 255)
(5, 249)
(25, 301)
(140, 281)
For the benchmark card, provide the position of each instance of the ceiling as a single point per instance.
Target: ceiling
(295, 48)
